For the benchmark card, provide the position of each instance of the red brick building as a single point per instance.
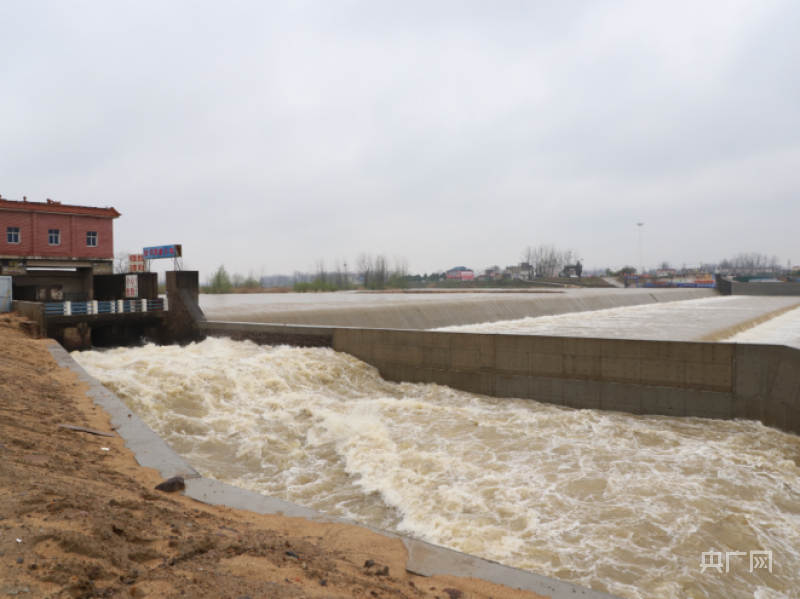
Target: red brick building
(52, 250)
(460, 273)
(53, 230)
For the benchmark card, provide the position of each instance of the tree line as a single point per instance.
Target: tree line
(547, 260)
(220, 281)
(371, 271)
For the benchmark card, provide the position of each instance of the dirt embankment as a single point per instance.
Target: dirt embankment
(79, 518)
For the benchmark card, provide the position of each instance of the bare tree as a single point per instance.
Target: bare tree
(365, 268)
(121, 262)
(377, 272)
(527, 257)
(547, 260)
(381, 276)
(399, 274)
(319, 271)
(750, 260)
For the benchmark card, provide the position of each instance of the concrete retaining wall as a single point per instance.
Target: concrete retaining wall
(709, 380)
(183, 290)
(270, 334)
(765, 288)
(724, 285)
(728, 286)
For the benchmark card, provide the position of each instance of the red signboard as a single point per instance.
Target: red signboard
(136, 263)
(131, 286)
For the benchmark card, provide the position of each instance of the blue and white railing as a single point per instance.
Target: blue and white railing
(110, 307)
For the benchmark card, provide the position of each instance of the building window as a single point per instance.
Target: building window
(91, 239)
(12, 234)
(54, 236)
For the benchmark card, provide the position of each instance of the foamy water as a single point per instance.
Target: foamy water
(702, 319)
(781, 330)
(616, 502)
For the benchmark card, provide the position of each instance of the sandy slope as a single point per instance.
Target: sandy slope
(79, 517)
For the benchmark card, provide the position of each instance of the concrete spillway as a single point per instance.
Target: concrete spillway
(709, 319)
(427, 311)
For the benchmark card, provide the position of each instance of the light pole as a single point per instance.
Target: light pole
(641, 268)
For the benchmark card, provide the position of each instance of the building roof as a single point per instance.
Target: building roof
(54, 207)
(458, 268)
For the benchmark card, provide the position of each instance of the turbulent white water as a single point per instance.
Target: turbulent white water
(782, 330)
(675, 321)
(620, 503)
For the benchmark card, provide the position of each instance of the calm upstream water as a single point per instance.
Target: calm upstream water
(619, 503)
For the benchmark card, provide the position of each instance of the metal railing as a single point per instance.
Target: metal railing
(109, 307)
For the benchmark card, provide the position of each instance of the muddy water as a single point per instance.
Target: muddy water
(616, 502)
(711, 319)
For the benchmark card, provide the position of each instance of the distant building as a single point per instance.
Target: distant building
(52, 250)
(460, 273)
(666, 272)
(522, 271)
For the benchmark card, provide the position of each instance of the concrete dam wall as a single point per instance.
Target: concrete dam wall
(671, 378)
(727, 286)
(430, 311)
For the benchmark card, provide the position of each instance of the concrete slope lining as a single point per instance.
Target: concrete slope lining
(445, 312)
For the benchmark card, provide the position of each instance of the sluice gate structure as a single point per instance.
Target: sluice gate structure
(108, 321)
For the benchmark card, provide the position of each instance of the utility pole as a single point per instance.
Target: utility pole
(641, 267)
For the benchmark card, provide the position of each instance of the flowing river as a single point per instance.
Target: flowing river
(620, 503)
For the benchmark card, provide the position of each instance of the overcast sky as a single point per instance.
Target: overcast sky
(270, 134)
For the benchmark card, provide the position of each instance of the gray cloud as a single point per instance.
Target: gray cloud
(451, 132)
